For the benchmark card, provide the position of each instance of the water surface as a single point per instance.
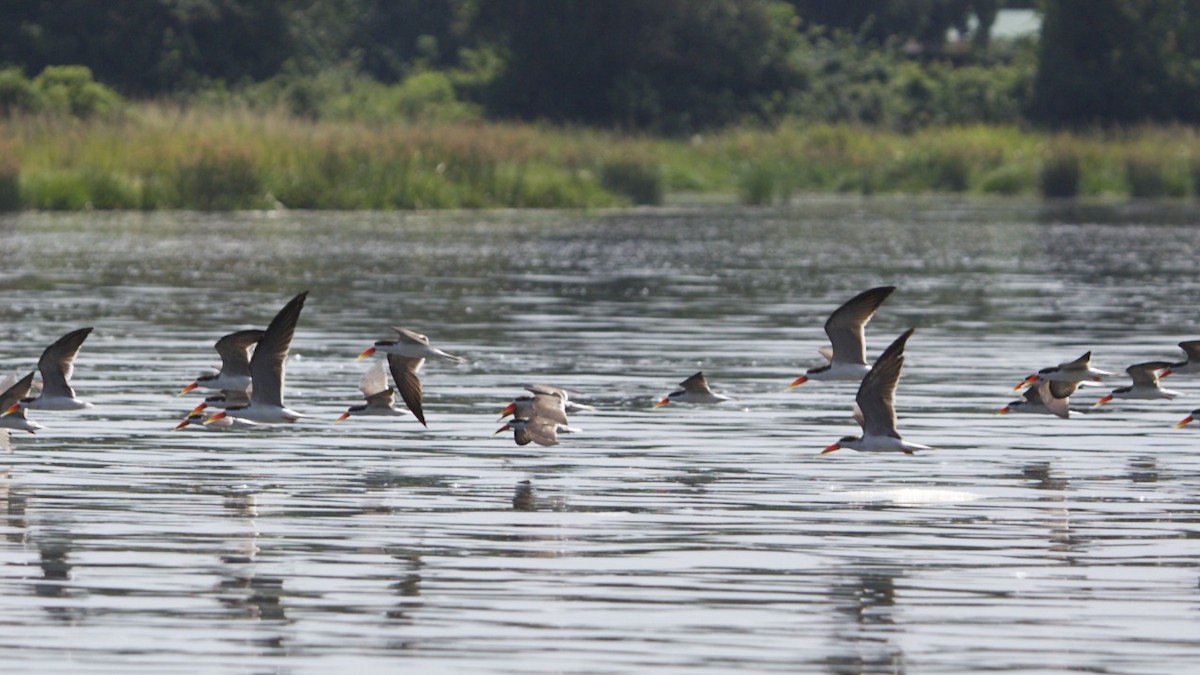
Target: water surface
(679, 538)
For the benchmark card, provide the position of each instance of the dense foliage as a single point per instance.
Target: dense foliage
(666, 66)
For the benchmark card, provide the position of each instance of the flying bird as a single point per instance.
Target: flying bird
(56, 367)
(1079, 370)
(695, 389)
(876, 412)
(235, 363)
(1145, 383)
(267, 371)
(847, 354)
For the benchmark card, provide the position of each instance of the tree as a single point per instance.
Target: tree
(1118, 61)
(667, 65)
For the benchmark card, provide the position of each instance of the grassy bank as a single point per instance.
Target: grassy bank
(160, 157)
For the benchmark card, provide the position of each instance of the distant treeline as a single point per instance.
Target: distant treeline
(662, 66)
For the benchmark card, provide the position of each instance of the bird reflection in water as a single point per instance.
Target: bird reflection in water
(867, 598)
(525, 498)
(14, 509)
(408, 587)
(1143, 469)
(255, 595)
(54, 550)
(1065, 543)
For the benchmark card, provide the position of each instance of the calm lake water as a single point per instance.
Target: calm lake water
(699, 538)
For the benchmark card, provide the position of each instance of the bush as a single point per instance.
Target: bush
(71, 90)
(1011, 179)
(17, 94)
(1060, 174)
(641, 182)
(219, 179)
(1148, 177)
(10, 185)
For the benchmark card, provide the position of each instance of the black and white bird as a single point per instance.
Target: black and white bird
(56, 366)
(1044, 398)
(13, 391)
(876, 406)
(523, 402)
(695, 389)
(539, 422)
(846, 328)
(234, 373)
(409, 344)
(1145, 384)
(1079, 370)
(267, 371)
(381, 399)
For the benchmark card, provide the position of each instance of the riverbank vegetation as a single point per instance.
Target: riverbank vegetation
(414, 104)
(160, 156)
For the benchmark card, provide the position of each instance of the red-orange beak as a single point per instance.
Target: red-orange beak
(1102, 401)
(509, 409)
(797, 382)
(501, 430)
(1184, 422)
(198, 409)
(663, 402)
(181, 425)
(342, 417)
(369, 351)
(190, 387)
(1166, 372)
(1003, 411)
(835, 446)
(219, 416)
(1028, 381)
(11, 409)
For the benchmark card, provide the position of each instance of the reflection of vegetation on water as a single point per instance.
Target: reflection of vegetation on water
(159, 157)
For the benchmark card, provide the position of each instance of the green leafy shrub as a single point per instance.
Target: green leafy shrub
(1148, 176)
(71, 90)
(1010, 179)
(10, 182)
(219, 179)
(17, 94)
(1061, 173)
(641, 182)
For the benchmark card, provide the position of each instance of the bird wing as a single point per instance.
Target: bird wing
(407, 335)
(1059, 405)
(546, 406)
(1146, 373)
(235, 351)
(15, 392)
(549, 390)
(1062, 389)
(374, 380)
(877, 393)
(542, 431)
(845, 327)
(235, 397)
(404, 374)
(58, 363)
(1192, 349)
(382, 399)
(697, 384)
(267, 364)
(1081, 363)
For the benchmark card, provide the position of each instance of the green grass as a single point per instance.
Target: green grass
(162, 157)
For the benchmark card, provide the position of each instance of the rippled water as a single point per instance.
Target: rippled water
(679, 538)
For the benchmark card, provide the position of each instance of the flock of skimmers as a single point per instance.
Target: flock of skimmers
(251, 378)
